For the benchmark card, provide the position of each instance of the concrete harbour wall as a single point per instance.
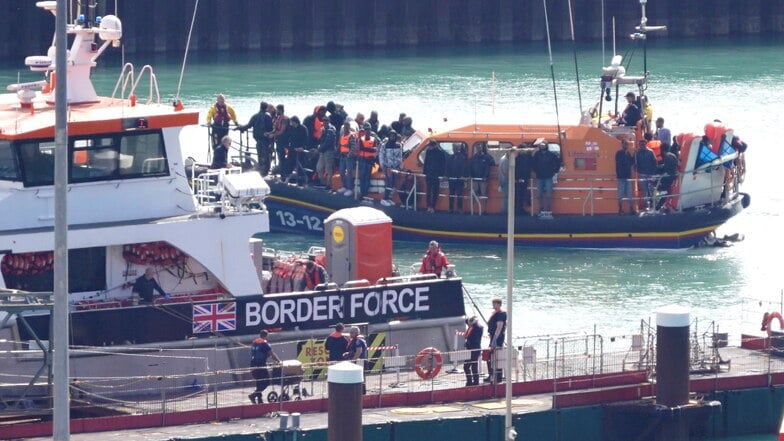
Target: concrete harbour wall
(154, 26)
(743, 412)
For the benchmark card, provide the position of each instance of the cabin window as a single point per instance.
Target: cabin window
(37, 160)
(129, 155)
(495, 149)
(147, 155)
(35, 272)
(449, 147)
(9, 168)
(423, 152)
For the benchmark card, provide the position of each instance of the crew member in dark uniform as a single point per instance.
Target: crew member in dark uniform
(146, 285)
(473, 341)
(260, 351)
(358, 350)
(336, 344)
(496, 327)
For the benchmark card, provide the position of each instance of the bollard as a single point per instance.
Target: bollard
(344, 419)
(284, 420)
(672, 356)
(295, 420)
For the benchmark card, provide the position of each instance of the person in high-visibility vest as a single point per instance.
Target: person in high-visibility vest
(366, 157)
(348, 149)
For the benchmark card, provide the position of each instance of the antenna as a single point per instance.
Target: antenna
(574, 52)
(604, 25)
(552, 69)
(642, 34)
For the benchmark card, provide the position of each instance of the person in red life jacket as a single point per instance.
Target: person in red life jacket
(314, 275)
(434, 261)
(473, 341)
(358, 350)
(496, 327)
(218, 118)
(260, 352)
(336, 344)
(315, 125)
(368, 148)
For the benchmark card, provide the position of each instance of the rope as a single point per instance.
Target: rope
(187, 47)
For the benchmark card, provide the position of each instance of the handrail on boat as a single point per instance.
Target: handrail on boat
(356, 283)
(412, 277)
(124, 79)
(153, 85)
(127, 76)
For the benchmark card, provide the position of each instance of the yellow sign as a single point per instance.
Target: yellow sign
(338, 235)
(313, 355)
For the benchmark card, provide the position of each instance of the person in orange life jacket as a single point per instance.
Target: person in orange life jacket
(261, 123)
(218, 118)
(358, 350)
(336, 344)
(434, 261)
(367, 158)
(315, 124)
(315, 274)
(348, 148)
(260, 352)
(146, 285)
(496, 327)
(655, 145)
(473, 341)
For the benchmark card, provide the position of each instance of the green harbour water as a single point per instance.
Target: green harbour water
(556, 291)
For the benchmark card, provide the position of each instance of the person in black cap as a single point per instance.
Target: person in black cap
(631, 114)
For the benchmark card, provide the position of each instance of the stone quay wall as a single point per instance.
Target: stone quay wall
(155, 26)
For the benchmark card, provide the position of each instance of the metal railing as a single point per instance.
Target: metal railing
(559, 359)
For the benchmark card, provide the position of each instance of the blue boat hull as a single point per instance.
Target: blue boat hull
(302, 210)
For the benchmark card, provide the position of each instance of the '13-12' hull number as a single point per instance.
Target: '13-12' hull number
(288, 219)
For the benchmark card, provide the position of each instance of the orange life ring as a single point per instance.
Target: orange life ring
(768, 317)
(428, 362)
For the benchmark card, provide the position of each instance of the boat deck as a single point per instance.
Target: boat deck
(401, 397)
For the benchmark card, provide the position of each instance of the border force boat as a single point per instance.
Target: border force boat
(134, 214)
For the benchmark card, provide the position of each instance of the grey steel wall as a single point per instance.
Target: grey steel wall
(161, 26)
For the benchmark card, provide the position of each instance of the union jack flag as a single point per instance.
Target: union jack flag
(214, 317)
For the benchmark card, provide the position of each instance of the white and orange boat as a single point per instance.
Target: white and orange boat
(704, 195)
(132, 207)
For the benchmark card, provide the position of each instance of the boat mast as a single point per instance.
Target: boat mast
(61, 417)
(642, 34)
